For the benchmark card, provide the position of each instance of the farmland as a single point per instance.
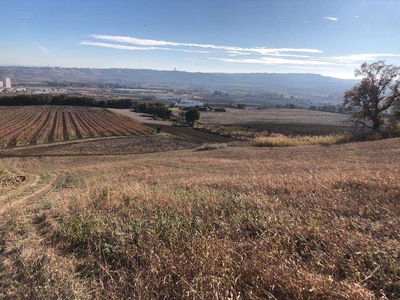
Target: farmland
(112, 218)
(274, 116)
(285, 121)
(31, 125)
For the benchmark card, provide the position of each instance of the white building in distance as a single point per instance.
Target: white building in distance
(7, 83)
(1, 84)
(190, 103)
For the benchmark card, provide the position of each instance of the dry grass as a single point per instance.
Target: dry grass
(280, 140)
(234, 223)
(207, 147)
(236, 132)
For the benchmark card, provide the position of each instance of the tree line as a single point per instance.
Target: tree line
(156, 109)
(21, 100)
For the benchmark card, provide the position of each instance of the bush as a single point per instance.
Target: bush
(206, 147)
(156, 109)
(192, 115)
(117, 103)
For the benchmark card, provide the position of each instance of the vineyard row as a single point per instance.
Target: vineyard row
(29, 125)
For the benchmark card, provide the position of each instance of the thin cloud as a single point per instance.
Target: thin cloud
(272, 61)
(291, 57)
(125, 47)
(120, 47)
(331, 18)
(147, 42)
(362, 57)
(43, 49)
(237, 53)
(313, 68)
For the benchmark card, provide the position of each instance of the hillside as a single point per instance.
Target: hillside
(239, 222)
(311, 85)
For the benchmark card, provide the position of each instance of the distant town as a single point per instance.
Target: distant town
(5, 83)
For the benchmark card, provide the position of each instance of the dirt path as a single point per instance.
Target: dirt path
(35, 185)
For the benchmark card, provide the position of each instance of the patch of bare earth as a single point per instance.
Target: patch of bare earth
(106, 146)
(274, 116)
(284, 121)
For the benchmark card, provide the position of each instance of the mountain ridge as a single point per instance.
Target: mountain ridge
(302, 84)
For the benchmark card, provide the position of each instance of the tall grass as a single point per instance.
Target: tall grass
(280, 140)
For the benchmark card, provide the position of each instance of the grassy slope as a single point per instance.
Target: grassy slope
(296, 223)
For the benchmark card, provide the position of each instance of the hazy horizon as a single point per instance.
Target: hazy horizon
(161, 70)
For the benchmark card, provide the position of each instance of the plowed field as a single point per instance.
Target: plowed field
(29, 125)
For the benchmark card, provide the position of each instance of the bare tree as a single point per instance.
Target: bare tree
(377, 92)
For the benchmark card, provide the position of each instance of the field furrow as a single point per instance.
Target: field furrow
(25, 135)
(40, 128)
(29, 125)
(65, 128)
(97, 130)
(53, 128)
(86, 129)
(112, 127)
(14, 124)
(75, 128)
(45, 133)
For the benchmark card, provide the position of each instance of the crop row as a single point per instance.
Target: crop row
(31, 125)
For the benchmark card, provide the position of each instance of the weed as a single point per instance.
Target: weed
(207, 147)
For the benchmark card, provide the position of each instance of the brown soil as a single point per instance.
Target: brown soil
(190, 134)
(106, 146)
(181, 131)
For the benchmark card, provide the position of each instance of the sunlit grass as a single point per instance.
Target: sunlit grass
(232, 223)
(280, 140)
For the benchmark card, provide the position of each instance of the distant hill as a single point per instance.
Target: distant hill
(310, 85)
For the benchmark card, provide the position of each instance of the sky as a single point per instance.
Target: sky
(331, 38)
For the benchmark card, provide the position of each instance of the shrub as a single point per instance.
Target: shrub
(206, 147)
(192, 115)
(156, 109)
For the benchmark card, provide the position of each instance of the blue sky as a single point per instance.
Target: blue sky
(331, 38)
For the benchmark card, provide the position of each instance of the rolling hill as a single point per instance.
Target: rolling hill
(310, 85)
